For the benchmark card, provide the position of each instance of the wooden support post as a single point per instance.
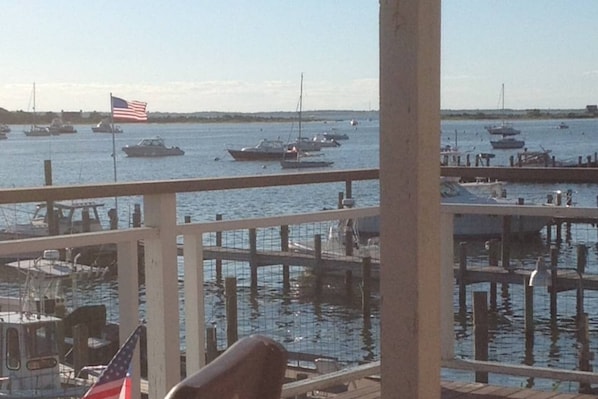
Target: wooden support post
(554, 254)
(253, 256)
(582, 258)
(211, 344)
(559, 236)
(230, 292)
(52, 221)
(340, 199)
(480, 329)
(349, 238)
(506, 242)
(462, 271)
(367, 282)
(529, 307)
(493, 251)
(80, 347)
(284, 246)
(493, 296)
(136, 215)
(585, 356)
(549, 233)
(349, 189)
(219, 261)
(318, 262)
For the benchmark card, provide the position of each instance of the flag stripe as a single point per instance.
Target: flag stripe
(128, 110)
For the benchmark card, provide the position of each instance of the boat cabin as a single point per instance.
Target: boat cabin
(71, 218)
(30, 345)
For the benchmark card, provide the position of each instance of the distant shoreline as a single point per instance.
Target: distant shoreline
(92, 118)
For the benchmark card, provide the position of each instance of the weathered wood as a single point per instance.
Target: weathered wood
(480, 330)
(230, 291)
(367, 288)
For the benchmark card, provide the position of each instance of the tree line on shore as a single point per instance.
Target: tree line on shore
(26, 118)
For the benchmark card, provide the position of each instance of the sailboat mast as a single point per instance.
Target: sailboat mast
(300, 103)
(113, 151)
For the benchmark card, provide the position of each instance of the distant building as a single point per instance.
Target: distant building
(71, 116)
(592, 108)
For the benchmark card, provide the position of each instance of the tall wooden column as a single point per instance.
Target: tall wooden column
(410, 200)
(161, 280)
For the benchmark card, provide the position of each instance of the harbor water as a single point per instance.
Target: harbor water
(329, 324)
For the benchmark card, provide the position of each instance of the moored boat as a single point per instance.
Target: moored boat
(151, 147)
(507, 143)
(59, 127)
(104, 126)
(265, 150)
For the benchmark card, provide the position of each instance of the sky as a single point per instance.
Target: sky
(248, 56)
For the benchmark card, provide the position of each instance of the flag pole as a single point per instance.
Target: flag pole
(113, 153)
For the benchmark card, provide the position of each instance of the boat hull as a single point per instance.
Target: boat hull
(144, 152)
(297, 164)
(245, 155)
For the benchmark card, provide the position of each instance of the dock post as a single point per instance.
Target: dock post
(318, 262)
(230, 292)
(367, 281)
(584, 351)
(219, 244)
(136, 215)
(493, 252)
(284, 246)
(554, 254)
(529, 307)
(80, 347)
(348, 189)
(340, 200)
(253, 256)
(467, 161)
(506, 242)
(461, 279)
(211, 344)
(480, 330)
(582, 257)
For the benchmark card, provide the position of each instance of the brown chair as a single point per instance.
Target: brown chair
(253, 368)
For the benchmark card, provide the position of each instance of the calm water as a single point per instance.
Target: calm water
(333, 324)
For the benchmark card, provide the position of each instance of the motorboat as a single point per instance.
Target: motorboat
(264, 150)
(471, 226)
(59, 127)
(334, 135)
(71, 217)
(104, 126)
(325, 142)
(151, 147)
(37, 131)
(507, 143)
(4, 128)
(563, 125)
(304, 144)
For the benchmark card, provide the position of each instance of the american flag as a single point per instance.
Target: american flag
(129, 110)
(115, 381)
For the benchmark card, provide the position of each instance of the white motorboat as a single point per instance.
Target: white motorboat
(507, 143)
(265, 150)
(467, 225)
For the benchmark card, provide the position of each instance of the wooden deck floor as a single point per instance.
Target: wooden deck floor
(462, 390)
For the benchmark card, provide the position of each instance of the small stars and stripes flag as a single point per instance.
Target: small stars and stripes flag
(115, 381)
(128, 110)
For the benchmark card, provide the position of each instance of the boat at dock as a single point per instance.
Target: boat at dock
(470, 226)
(152, 147)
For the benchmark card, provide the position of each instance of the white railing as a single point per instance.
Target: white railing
(159, 236)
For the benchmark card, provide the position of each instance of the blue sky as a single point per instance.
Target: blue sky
(241, 56)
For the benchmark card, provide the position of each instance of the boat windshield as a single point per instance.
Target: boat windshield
(41, 340)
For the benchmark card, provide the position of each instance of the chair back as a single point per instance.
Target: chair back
(253, 368)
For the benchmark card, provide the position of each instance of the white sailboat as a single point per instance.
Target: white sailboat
(505, 128)
(299, 162)
(34, 129)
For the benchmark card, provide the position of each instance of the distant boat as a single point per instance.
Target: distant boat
(505, 128)
(35, 130)
(354, 122)
(104, 126)
(59, 127)
(563, 125)
(4, 128)
(334, 135)
(151, 147)
(265, 150)
(298, 162)
(507, 143)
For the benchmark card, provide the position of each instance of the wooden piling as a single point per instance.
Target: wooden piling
(554, 254)
(80, 347)
(480, 330)
(367, 283)
(284, 246)
(461, 279)
(211, 344)
(340, 200)
(506, 242)
(349, 189)
(585, 356)
(318, 262)
(230, 292)
(219, 244)
(253, 256)
(529, 307)
(136, 215)
(582, 258)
